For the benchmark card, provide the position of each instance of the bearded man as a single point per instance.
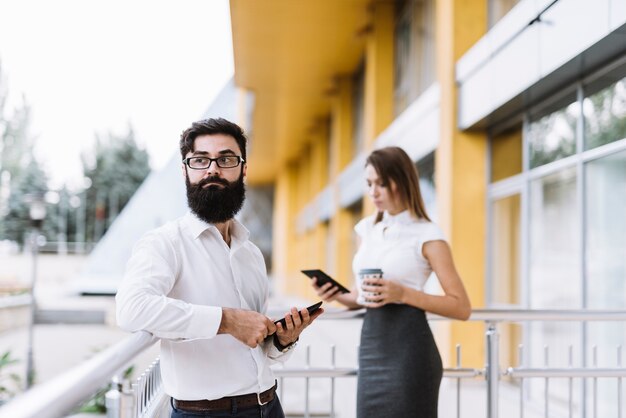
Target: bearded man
(201, 286)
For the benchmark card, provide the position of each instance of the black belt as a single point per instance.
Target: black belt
(227, 402)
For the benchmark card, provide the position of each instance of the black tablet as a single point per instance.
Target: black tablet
(323, 278)
(311, 309)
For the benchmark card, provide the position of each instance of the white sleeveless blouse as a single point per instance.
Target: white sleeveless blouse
(394, 245)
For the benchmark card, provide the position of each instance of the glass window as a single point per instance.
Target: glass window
(605, 115)
(554, 242)
(414, 51)
(554, 279)
(553, 136)
(554, 232)
(605, 226)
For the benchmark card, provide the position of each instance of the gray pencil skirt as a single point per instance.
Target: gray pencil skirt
(400, 368)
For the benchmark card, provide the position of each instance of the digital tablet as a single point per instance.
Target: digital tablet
(323, 278)
(311, 309)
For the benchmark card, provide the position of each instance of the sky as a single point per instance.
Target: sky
(88, 67)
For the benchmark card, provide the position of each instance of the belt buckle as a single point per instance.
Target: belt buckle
(258, 398)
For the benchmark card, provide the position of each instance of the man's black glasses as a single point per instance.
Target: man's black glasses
(203, 163)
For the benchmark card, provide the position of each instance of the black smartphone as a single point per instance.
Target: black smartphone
(323, 278)
(311, 309)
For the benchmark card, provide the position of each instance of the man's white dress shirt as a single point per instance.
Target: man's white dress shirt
(177, 279)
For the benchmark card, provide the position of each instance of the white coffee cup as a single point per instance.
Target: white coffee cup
(367, 297)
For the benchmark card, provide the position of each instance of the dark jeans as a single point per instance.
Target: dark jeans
(272, 409)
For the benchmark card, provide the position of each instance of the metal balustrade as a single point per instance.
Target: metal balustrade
(149, 397)
(60, 395)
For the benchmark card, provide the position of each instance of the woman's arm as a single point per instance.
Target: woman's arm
(329, 293)
(453, 304)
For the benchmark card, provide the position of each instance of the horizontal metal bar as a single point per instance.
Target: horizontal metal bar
(61, 316)
(315, 372)
(58, 396)
(462, 373)
(13, 301)
(352, 371)
(507, 315)
(514, 315)
(524, 372)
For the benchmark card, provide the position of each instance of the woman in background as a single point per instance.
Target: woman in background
(400, 368)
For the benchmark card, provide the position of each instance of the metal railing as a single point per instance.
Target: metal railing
(61, 395)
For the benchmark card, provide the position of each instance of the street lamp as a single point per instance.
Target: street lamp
(37, 213)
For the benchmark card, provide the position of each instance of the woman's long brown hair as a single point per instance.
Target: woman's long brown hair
(394, 165)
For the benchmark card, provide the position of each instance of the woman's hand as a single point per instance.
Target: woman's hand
(330, 293)
(327, 292)
(388, 291)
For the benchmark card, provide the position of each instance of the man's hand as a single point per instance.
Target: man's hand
(295, 325)
(249, 327)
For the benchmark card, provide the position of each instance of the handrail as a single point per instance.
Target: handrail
(526, 372)
(452, 372)
(514, 315)
(508, 315)
(12, 301)
(63, 393)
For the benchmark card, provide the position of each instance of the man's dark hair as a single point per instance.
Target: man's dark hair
(212, 127)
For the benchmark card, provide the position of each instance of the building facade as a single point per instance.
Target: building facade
(513, 111)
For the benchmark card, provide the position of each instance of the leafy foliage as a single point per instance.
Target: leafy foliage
(553, 136)
(116, 167)
(17, 163)
(605, 120)
(7, 390)
(116, 170)
(97, 404)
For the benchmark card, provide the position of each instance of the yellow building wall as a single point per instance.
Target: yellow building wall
(461, 165)
(460, 172)
(379, 72)
(379, 67)
(283, 229)
(506, 154)
(319, 179)
(341, 152)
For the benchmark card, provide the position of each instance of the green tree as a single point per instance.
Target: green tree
(116, 169)
(18, 166)
(15, 142)
(10, 382)
(16, 223)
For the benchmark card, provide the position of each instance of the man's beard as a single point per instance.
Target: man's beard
(214, 204)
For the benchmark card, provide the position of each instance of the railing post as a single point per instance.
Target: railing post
(493, 370)
(119, 400)
(113, 399)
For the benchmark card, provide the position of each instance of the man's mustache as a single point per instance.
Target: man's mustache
(213, 179)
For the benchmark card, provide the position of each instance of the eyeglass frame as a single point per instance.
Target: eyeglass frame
(240, 161)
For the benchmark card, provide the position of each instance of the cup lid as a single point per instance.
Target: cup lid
(370, 271)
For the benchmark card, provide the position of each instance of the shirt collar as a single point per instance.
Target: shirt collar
(197, 226)
(402, 218)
